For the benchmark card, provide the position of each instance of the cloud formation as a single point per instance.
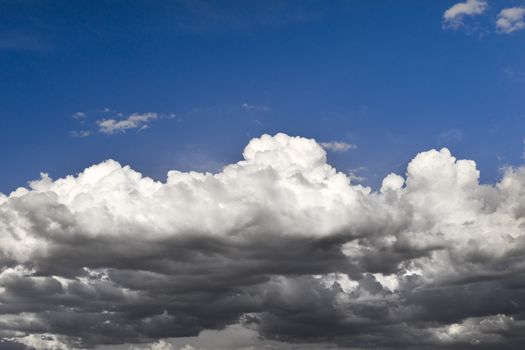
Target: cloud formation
(279, 243)
(337, 146)
(134, 121)
(454, 16)
(115, 122)
(511, 20)
(79, 115)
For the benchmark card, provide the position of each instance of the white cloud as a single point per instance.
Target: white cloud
(453, 17)
(44, 341)
(134, 121)
(79, 115)
(477, 330)
(110, 256)
(511, 20)
(337, 146)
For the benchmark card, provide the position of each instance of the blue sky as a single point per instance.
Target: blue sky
(390, 77)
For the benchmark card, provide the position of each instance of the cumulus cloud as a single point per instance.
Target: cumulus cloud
(134, 121)
(337, 146)
(510, 20)
(454, 16)
(279, 242)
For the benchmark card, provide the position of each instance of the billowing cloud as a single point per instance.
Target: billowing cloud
(134, 121)
(510, 20)
(279, 243)
(453, 17)
(337, 146)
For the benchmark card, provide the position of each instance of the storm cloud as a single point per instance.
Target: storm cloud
(279, 243)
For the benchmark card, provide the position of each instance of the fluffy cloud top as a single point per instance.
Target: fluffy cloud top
(279, 242)
(453, 17)
(511, 20)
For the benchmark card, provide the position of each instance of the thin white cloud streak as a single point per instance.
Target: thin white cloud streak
(79, 115)
(80, 133)
(337, 146)
(353, 174)
(453, 17)
(254, 107)
(450, 136)
(510, 20)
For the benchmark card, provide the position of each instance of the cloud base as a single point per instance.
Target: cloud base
(280, 243)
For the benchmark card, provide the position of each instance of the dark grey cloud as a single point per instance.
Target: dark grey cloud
(279, 249)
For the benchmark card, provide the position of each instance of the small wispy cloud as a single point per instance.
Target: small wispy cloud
(194, 158)
(134, 121)
(454, 16)
(110, 122)
(80, 133)
(510, 20)
(355, 174)
(107, 110)
(255, 107)
(513, 74)
(337, 146)
(79, 115)
(450, 136)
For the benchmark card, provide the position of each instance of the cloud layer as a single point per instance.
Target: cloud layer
(280, 243)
